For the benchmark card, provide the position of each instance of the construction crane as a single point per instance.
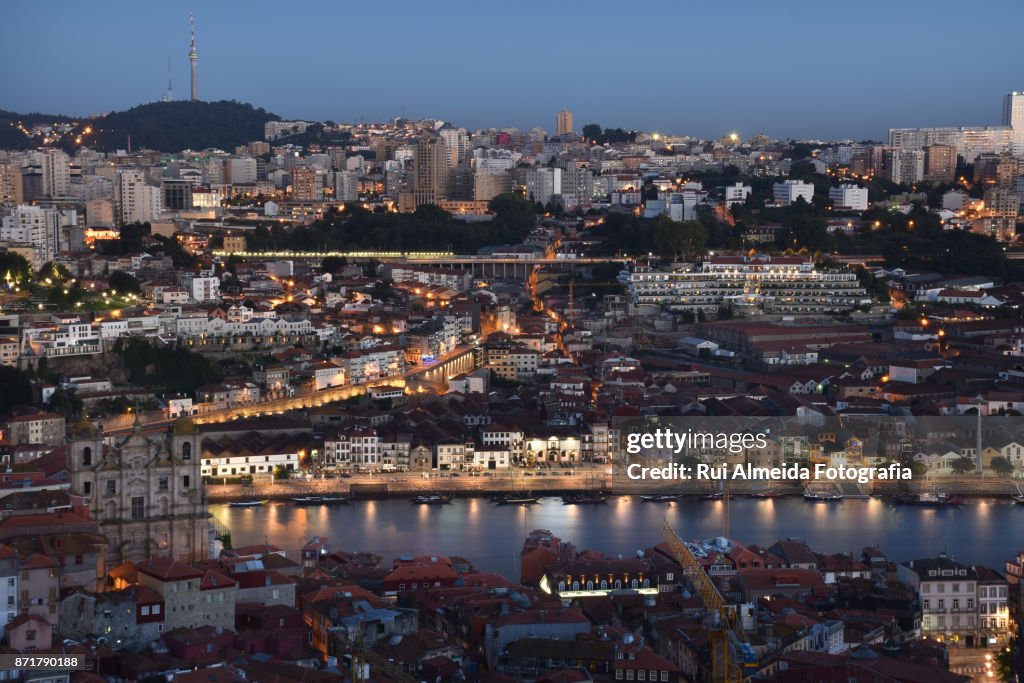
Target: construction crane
(729, 649)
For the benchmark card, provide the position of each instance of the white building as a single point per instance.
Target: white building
(906, 166)
(327, 375)
(373, 364)
(228, 464)
(203, 289)
(788, 191)
(849, 197)
(542, 184)
(240, 170)
(346, 186)
(37, 227)
(948, 594)
(736, 194)
(138, 200)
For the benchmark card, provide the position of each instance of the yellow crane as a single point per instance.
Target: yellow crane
(725, 627)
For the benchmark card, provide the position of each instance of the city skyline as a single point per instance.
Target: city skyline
(675, 85)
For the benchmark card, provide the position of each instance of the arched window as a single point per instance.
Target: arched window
(561, 586)
(618, 584)
(575, 585)
(87, 456)
(186, 451)
(634, 584)
(647, 583)
(590, 585)
(604, 585)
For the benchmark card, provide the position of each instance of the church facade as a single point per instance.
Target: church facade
(146, 491)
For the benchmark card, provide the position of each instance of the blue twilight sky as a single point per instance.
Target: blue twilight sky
(811, 68)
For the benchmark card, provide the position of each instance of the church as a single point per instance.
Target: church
(145, 491)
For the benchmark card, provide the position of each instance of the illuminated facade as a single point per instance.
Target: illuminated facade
(781, 284)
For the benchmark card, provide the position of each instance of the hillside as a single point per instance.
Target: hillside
(173, 126)
(13, 137)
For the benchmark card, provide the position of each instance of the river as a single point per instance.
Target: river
(980, 532)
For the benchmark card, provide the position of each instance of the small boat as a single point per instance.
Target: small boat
(308, 500)
(518, 500)
(766, 495)
(823, 497)
(926, 499)
(585, 499)
(1018, 499)
(334, 500)
(659, 498)
(247, 503)
(433, 499)
(718, 495)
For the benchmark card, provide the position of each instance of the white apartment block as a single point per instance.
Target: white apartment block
(777, 284)
(373, 364)
(38, 228)
(849, 197)
(736, 194)
(787, 192)
(204, 289)
(138, 200)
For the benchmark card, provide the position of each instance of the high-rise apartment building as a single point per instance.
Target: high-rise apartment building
(543, 184)
(306, 185)
(939, 163)
(1013, 110)
(37, 227)
(906, 166)
(10, 184)
(563, 123)
(346, 186)
(56, 169)
(138, 200)
(431, 170)
(457, 141)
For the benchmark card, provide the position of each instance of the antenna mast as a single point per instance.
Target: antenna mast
(192, 56)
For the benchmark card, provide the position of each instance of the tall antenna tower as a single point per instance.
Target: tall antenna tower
(193, 57)
(170, 88)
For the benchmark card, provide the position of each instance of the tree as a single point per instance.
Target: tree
(1002, 466)
(66, 403)
(918, 469)
(963, 465)
(15, 388)
(120, 281)
(14, 268)
(592, 131)
(514, 213)
(332, 264)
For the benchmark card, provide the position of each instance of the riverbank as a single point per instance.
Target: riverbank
(556, 485)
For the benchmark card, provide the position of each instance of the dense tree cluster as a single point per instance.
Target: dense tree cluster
(429, 228)
(594, 132)
(173, 369)
(178, 125)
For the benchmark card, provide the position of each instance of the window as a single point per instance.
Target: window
(664, 675)
(670, 576)
(186, 451)
(162, 484)
(970, 603)
(156, 609)
(87, 457)
(30, 635)
(185, 481)
(138, 507)
(641, 675)
(10, 582)
(145, 610)
(111, 487)
(87, 489)
(956, 604)
(618, 674)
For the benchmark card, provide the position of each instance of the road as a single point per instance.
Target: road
(305, 397)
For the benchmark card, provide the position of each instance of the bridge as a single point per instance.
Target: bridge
(503, 267)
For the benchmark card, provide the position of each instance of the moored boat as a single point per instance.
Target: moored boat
(659, 498)
(247, 503)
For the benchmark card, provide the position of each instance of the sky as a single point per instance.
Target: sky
(788, 68)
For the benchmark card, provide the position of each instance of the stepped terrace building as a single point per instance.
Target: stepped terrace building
(789, 285)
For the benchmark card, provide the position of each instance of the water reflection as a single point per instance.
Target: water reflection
(491, 535)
